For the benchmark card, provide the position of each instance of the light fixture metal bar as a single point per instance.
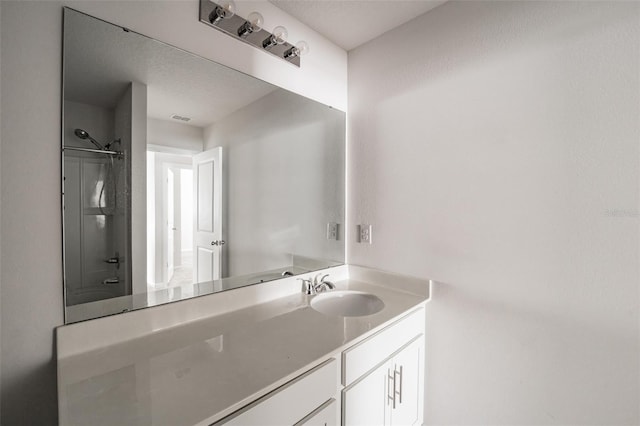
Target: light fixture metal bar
(231, 25)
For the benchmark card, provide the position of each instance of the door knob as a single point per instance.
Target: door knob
(218, 242)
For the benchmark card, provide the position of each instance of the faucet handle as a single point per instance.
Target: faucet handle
(322, 285)
(307, 285)
(317, 281)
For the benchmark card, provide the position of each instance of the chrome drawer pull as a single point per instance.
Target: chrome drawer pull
(391, 387)
(400, 374)
(397, 373)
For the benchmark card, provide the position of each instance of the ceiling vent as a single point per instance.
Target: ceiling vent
(180, 118)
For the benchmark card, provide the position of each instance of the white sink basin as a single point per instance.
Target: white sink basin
(346, 303)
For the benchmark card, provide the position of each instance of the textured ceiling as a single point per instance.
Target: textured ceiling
(350, 23)
(101, 60)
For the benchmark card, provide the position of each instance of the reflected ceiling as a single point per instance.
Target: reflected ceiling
(173, 77)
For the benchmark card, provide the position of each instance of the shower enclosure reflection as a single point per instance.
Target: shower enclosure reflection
(96, 206)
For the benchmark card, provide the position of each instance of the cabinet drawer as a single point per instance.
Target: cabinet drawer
(364, 356)
(290, 402)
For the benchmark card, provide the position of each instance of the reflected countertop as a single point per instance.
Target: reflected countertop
(199, 372)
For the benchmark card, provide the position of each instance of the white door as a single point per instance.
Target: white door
(207, 215)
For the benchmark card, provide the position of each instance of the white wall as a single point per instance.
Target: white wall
(126, 171)
(151, 218)
(163, 133)
(96, 120)
(30, 35)
(494, 146)
(31, 221)
(138, 187)
(267, 215)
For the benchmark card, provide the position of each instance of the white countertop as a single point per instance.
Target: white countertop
(199, 372)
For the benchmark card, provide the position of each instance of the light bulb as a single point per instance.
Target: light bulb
(225, 10)
(301, 48)
(256, 20)
(253, 23)
(229, 7)
(278, 36)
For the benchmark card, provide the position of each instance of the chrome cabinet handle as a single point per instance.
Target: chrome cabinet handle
(394, 379)
(391, 387)
(397, 392)
(218, 242)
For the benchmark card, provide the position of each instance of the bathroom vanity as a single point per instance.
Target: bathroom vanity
(273, 361)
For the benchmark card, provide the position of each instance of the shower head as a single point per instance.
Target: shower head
(83, 134)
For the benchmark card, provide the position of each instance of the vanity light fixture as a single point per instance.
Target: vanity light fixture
(221, 15)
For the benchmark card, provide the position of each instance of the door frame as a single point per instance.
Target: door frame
(162, 160)
(164, 216)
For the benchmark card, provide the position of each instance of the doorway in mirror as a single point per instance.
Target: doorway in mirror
(184, 217)
(180, 226)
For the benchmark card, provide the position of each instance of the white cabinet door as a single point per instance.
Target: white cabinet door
(365, 402)
(407, 366)
(389, 395)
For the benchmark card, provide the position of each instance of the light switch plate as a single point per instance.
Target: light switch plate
(332, 231)
(364, 234)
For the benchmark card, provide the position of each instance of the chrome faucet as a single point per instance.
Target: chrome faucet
(316, 285)
(307, 286)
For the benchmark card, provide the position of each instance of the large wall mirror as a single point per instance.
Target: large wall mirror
(182, 177)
